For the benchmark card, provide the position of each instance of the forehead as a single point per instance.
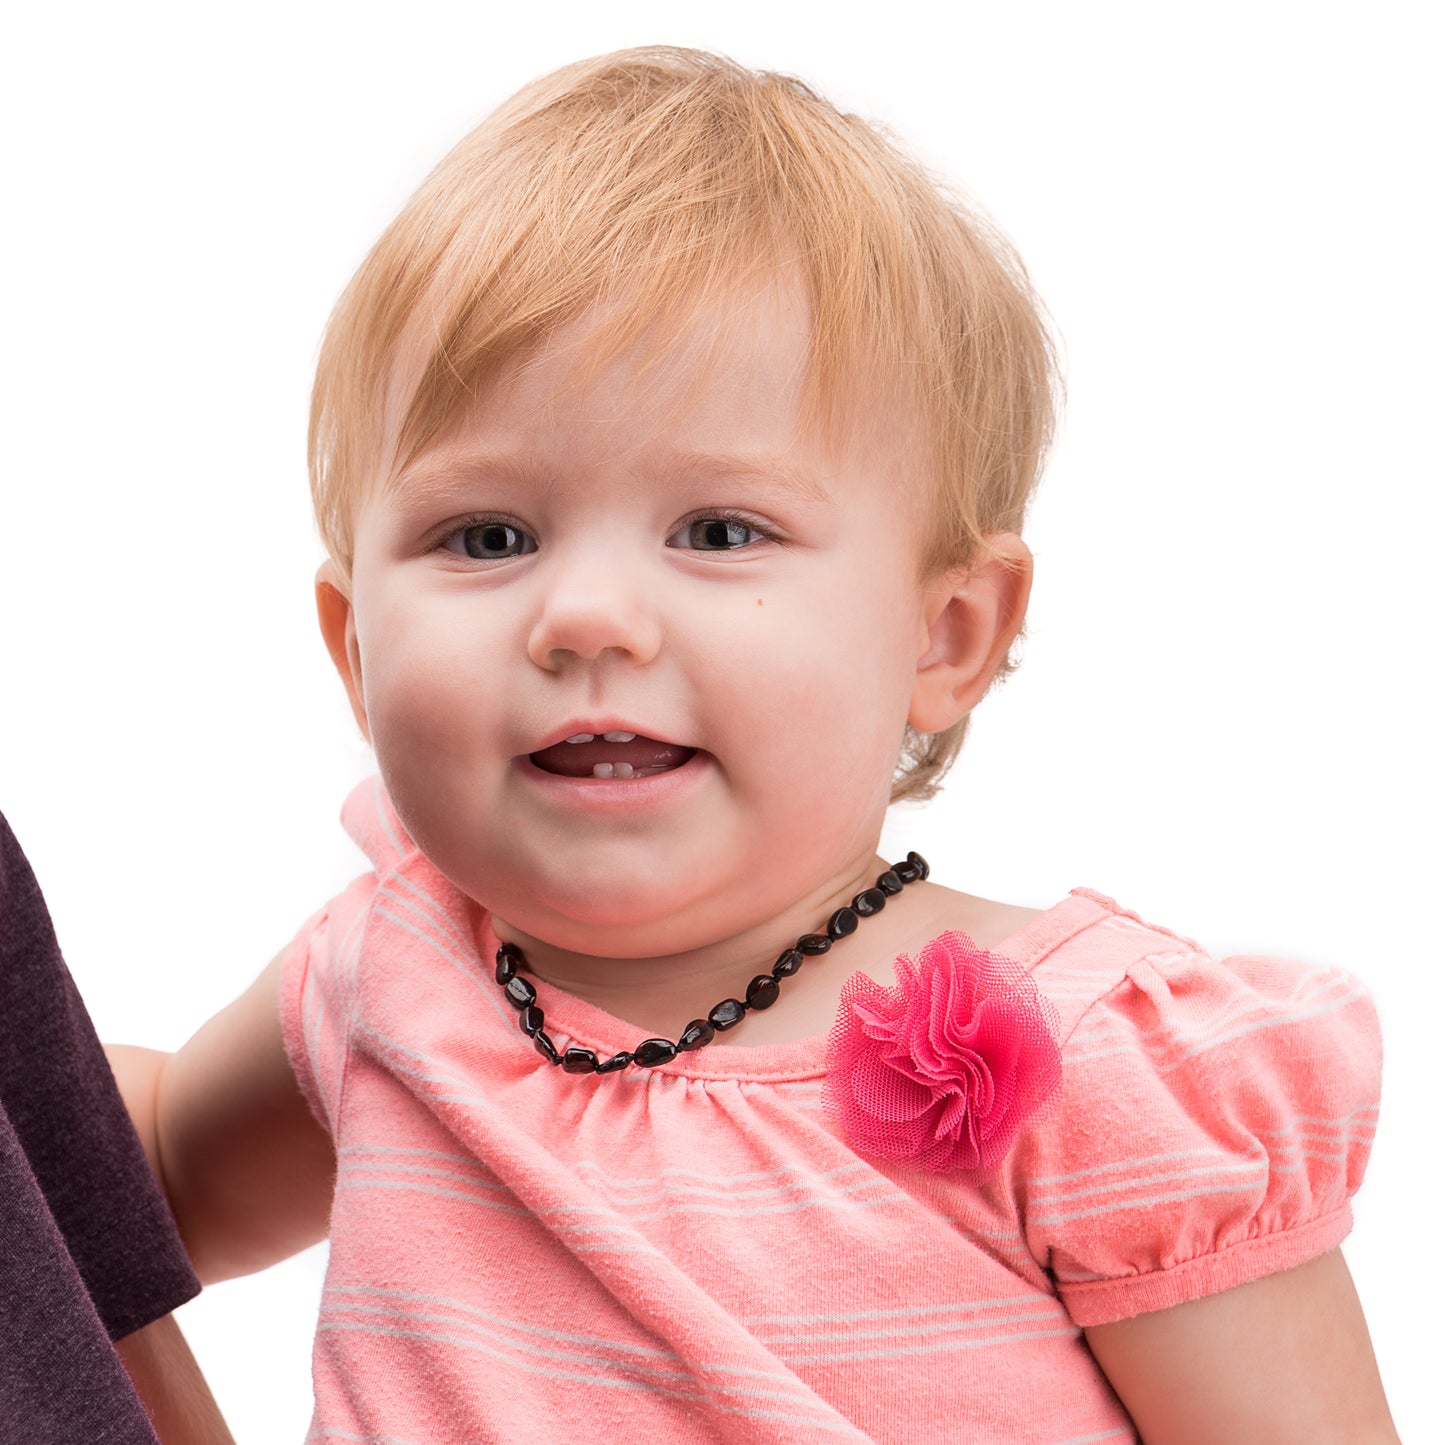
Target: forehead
(730, 383)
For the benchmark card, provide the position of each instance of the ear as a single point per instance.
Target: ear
(338, 627)
(970, 620)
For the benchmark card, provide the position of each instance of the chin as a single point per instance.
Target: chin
(604, 923)
(614, 925)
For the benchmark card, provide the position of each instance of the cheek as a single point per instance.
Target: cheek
(427, 714)
(823, 676)
(423, 681)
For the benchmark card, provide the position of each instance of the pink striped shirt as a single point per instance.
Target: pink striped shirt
(691, 1253)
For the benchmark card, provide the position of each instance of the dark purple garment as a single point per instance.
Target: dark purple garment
(88, 1250)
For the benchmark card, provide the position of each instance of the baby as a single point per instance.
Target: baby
(671, 451)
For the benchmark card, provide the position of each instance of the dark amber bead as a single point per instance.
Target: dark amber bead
(506, 966)
(652, 1052)
(695, 1035)
(617, 1061)
(530, 1019)
(519, 992)
(788, 964)
(727, 1013)
(920, 863)
(763, 991)
(814, 943)
(869, 902)
(545, 1047)
(579, 1061)
(842, 923)
(908, 872)
(890, 882)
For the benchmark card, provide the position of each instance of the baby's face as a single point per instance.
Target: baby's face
(635, 650)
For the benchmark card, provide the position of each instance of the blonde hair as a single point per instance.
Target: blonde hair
(654, 178)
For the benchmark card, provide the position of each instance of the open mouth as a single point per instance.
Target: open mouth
(611, 755)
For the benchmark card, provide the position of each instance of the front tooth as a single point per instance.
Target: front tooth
(622, 770)
(582, 738)
(603, 770)
(619, 737)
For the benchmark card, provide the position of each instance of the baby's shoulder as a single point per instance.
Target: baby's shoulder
(1163, 1043)
(1109, 972)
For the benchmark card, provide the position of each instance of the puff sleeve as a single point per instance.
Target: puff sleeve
(1213, 1121)
(314, 1022)
(319, 980)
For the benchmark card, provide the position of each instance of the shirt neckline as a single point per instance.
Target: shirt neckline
(572, 1020)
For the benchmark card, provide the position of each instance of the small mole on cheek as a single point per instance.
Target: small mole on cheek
(760, 601)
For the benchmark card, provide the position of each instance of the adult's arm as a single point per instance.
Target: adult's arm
(93, 1256)
(181, 1407)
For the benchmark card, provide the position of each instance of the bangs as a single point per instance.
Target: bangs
(638, 185)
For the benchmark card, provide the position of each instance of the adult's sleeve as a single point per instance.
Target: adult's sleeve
(60, 1098)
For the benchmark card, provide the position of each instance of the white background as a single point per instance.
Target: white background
(1229, 708)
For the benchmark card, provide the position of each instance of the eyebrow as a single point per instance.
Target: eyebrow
(435, 475)
(772, 472)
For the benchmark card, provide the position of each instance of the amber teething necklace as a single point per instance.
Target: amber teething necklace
(761, 993)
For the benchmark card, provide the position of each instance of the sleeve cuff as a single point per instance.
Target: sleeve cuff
(1103, 1301)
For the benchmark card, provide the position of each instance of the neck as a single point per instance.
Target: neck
(660, 993)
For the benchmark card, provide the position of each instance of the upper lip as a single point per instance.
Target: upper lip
(598, 726)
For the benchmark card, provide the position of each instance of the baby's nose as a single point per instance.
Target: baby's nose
(589, 610)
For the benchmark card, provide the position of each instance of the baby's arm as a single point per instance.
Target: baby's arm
(1284, 1360)
(246, 1166)
(1213, 1123)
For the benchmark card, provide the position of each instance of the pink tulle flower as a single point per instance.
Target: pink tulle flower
(941, 1071)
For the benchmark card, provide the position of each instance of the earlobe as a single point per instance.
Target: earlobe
(338, 628)
(971, 619)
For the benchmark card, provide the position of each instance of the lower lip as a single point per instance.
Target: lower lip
(617, 794)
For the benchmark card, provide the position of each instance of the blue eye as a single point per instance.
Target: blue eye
(490, 541)
(714, 534)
